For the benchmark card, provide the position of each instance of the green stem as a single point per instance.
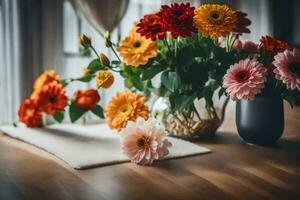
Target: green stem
(113, 50)
(94, 50)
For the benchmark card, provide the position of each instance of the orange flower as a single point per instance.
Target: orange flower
(137, 50)
(45, 78)
(272, 45)
(104, 79)
(214, 20)
(29, 113)
(125, 106)
(87, 99)
(52, 98)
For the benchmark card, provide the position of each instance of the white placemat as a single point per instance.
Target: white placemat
(88, 146)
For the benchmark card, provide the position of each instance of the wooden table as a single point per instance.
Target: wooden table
(234, 170)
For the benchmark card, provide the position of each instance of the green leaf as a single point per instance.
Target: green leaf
(183, 102)
(221, 92)
(59, 116)
(151, 72)
(95, 65)
(170, 80)
(136, 82)
(64, 82)
(85, 79)
(98, 110)
(128, 83)
(75, 112)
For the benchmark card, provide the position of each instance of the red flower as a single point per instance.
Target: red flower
(87, 99)
(52, 98)
(272, 45)
(178, 19)
(29, 113)
(242, 23)
(151, 27)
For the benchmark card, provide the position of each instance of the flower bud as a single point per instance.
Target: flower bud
(104, 59)
(104, 79)
(107, 41)
(85, 40)
(87, 99)
(86, 71)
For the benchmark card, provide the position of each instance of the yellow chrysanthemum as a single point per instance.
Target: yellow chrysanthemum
(214, 20)
(125, 106)
(137, 50)
(104, 79)
(45, 78)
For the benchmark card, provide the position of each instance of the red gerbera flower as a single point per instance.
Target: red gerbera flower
(29, 113)
(272, 45)
(151, 27)
(52, 98)
(178, 19)
(242, 23)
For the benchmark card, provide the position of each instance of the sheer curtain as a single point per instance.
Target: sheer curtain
(30, 38)
(10, 60)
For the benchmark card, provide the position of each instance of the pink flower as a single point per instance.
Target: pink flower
(287, 68)
(245, 79)
(144, 142)
(246, 46)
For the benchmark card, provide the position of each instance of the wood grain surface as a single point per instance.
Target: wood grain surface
(234, 170)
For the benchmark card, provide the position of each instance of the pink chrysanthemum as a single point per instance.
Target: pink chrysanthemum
(144, 142)
(245, 79)
(287, 68)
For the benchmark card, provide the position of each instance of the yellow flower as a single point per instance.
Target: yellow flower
(104, 79)
(214, 20)
(45, 78)
(137, 50)
(86, 71)
(125, 106)
(85, 40)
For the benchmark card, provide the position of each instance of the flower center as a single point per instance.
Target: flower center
(29, 112)
(142, 142)
(52, 100)
(178, 13)
(242, 76)
(125, 109)
(137, 44)
(216, 17)
(295, 68)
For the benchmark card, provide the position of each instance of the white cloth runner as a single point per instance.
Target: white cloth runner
(88, 146)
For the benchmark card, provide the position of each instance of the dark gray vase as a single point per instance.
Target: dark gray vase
(260, 121)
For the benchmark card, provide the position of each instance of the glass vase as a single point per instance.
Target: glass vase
(201, 122)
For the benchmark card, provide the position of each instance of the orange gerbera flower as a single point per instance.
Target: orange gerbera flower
(45, 78)
(272, 45)
(214, 20)
(52, 98)
(29, 113)
(125, 106)
(137, 50)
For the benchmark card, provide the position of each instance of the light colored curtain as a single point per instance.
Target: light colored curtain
(10, 60)
(30, 34)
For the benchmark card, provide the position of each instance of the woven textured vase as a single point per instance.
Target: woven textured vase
(201, 123)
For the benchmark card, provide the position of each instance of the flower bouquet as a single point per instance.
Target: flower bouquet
(265, 74)
(181, 53)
